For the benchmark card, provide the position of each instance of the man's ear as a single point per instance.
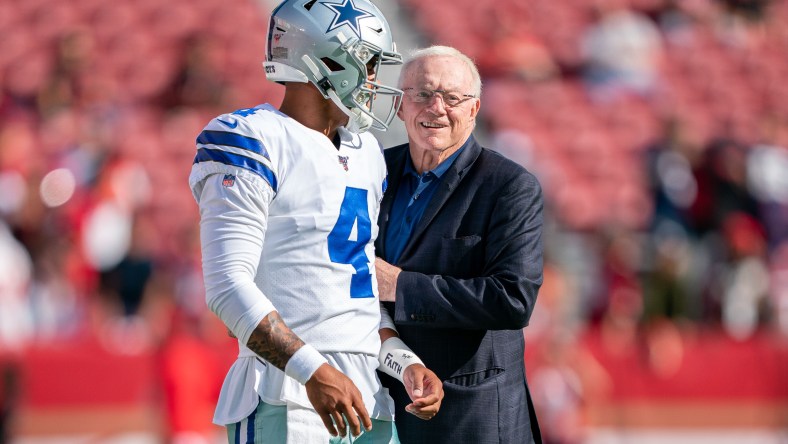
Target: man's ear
(475, 109)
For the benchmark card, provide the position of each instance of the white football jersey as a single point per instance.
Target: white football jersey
(288, 222)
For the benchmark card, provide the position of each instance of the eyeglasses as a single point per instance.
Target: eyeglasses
(450, 98)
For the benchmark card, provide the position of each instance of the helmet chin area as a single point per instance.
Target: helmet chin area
(359, 121)
(378, 101)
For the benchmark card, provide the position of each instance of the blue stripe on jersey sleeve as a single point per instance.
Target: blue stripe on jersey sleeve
(206, 155)
(233, 139)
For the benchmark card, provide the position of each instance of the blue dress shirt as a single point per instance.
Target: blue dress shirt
(413, 195)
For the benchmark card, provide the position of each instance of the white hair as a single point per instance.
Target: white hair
(447, 51)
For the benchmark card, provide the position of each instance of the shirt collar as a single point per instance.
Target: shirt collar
(439, 170)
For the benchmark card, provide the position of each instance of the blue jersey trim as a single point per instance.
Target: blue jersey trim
(250, 426)
(233, 139)
(208, 155)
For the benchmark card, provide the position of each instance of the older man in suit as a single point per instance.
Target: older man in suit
(460, 258)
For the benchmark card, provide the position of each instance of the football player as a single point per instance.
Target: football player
(289, 199)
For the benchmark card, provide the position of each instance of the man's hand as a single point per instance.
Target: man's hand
(333, 395)
(425, 390)
(387, 275)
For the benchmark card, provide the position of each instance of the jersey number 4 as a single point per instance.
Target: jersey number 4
(344, 250)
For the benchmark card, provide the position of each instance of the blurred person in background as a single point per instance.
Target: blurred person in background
(16, 322)
(9, 396)
(125, 290)
(125, 283)
(740, 278)
(621, 52)
(72, 57)
(197, 82)
(287, 202)
(460, 258)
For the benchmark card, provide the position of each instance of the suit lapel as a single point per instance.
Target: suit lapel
(395, 168)
(449, 182)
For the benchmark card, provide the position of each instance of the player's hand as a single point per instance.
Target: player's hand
(333, 395)
(425, 390)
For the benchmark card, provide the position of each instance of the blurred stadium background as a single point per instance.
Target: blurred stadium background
(658, 128)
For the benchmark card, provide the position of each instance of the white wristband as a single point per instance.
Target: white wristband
(385, 319)
(304, 363)
(395, 357)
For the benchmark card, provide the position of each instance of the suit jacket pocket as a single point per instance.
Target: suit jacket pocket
(475, 378)
(462, 241)
(458, 256)
(471, 411)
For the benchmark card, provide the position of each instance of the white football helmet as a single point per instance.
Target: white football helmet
(334, 44)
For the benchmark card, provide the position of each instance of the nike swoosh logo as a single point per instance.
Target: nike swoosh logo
(232, 124)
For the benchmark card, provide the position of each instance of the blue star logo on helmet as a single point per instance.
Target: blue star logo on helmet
(346, 13)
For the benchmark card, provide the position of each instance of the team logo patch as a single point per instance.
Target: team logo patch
(346, 13)
(228, 181)
(343, 161)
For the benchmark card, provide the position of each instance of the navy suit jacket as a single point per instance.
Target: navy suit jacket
(471, 273)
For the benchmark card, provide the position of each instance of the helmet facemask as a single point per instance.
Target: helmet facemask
(358, 102)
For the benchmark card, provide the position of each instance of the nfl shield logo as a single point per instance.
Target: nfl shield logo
(228, 181)
(343, 161)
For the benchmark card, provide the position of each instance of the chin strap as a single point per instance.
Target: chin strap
(358, 121)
